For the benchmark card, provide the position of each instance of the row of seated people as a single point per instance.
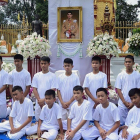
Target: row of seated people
(65, 83)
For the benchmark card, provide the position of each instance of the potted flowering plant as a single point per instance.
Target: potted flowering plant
(34, 45)
(134, 44)
(103, 45)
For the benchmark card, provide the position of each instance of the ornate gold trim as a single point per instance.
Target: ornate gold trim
(59, 26)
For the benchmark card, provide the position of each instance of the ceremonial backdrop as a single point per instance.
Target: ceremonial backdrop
(76, 51)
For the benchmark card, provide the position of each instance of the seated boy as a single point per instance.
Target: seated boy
(79, 117)
(50, 119)
(3, 86)
(132, 124)
(106, 119)
(20, 117)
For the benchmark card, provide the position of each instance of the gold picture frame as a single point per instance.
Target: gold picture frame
(69, 24)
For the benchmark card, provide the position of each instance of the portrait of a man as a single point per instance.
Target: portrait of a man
(69, 24)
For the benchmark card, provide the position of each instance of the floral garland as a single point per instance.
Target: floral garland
(8, 67)
(103, 45)
(112, 94)
(34, 45)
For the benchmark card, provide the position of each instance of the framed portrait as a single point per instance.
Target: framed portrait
(69, 24)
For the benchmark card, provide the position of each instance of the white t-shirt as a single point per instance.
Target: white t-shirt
(3, 81)
(22, 78)
(21, 112)
(126, 82)
(93, 82)
(106, 116)
(44, 82)
(133, 120)
(79, 113)
(66, 85)
(50, 116)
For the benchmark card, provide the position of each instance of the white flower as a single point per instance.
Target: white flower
(8, 67)
(103, 45)
(34, 45)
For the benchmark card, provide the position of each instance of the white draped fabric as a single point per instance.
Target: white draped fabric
(83, 65)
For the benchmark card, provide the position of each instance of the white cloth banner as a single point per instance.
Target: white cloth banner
(83, 65)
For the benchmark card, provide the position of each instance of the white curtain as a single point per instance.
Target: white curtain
(83, 65)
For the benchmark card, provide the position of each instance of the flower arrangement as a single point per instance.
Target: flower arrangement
(136, 67)
(31, 95)
(103, 45)
(34, 45)
(112, 94)
(8, 67)
(134, 44)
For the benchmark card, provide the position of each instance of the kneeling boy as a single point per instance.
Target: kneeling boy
(132, 124)
(20, 117)
(50, 119)
(79, 117)
(106, 119)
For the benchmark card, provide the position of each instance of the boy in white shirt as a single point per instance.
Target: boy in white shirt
(94, 80)
(79, 117)
(49, 120)
(3, 86)
(41, 82)
(20, 117)
(67, 82)
(106, 119)
(131, 129)
(126, 80)
(19, 76)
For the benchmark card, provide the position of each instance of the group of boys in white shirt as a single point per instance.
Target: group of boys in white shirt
(46, 80)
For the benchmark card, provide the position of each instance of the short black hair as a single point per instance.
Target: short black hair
(50, 92)
(102, 89)
(68, 61)
(76, 88)
(19, 88)
(18, 56)
(0, 58)
(45, 58)
(69, 12)
(130, 57)
(134, 91)
(96, 58)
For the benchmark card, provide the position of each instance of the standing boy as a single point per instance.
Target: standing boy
(79, 117)
(43, 81)
(106, 119)
(67, 82)
(3, 86)
(94, 80)
(126, 80)
(131, 129)
(20, 117)
(19, 76)
(49, 120)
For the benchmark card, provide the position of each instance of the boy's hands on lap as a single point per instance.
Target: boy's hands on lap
(70, 135)
(136, 137)
(39, 132)
(68, 131)
(14, 130)
(124, 133)
(102, 133)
